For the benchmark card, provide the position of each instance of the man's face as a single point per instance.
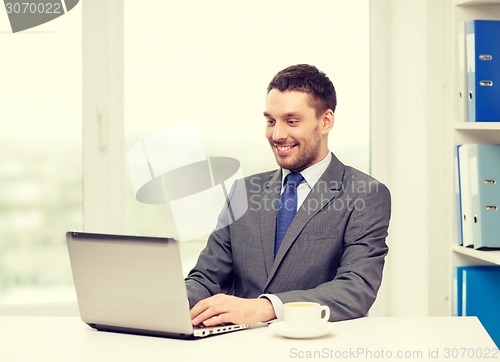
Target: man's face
(297, 136)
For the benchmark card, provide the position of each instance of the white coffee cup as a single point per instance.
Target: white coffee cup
(305, 314)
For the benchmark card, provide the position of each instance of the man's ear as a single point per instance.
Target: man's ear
(327, 121)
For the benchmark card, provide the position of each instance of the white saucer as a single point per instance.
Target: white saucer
(284, 330)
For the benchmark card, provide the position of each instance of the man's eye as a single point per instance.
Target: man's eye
(271, 122)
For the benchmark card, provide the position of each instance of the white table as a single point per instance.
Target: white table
(68, 339)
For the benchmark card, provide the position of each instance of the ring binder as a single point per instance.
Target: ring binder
(482, 50)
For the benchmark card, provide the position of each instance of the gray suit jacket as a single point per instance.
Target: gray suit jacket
(333, 252)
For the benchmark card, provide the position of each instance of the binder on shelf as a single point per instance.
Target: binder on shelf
(465, 200)
(456, 299)
(477, 293)
(456, 169)
(482, 48)
(484, 167)
(479, 195)
(462, 96)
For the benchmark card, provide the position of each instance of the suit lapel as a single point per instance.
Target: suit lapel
(270, 198)
(325, 190)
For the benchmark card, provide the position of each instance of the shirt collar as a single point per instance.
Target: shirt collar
(312, 173)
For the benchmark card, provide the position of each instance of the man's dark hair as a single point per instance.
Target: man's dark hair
(309, 79)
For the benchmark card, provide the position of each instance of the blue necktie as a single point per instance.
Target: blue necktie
(287, 207)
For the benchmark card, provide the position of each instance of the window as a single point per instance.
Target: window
(40, 162)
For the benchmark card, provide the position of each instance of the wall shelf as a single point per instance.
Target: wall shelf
(489, 256)
(477, 126)
(476, 2)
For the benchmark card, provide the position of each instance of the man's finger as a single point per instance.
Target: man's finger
(215, 320)
(206, 311)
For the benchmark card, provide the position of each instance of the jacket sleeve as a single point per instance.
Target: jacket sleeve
(214, 273)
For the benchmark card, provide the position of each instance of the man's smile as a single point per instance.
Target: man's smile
(283, 150)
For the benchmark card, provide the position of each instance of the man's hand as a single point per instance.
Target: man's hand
(222, 308)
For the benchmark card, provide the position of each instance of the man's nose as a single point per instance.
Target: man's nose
(279, 132)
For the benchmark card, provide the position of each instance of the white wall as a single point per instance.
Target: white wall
(408, 137)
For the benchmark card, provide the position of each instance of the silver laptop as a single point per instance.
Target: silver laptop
(133, 284)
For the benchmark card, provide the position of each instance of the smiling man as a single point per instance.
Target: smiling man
(314, 230)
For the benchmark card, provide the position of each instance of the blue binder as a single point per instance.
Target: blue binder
(457, 293)
(477, 293)
(484, 167)
(482, 48)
